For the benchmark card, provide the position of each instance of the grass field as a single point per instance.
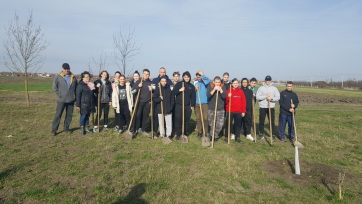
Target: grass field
(103, 168)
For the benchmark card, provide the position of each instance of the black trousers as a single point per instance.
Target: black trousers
(235, 123)
(58, 114)
(178, 119)
(246, 122)
(103, 107)
(155, 119)
(124, 116)
(143, 115)
(265, 112)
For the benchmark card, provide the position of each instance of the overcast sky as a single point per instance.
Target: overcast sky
(287, 39)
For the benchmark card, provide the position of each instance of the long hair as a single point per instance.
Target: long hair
(100, 74)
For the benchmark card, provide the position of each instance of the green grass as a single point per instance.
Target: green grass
(40, 86)
(103, 168)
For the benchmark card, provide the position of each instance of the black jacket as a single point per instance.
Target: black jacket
(285, 103)
(145, 95)
(168, 100)
(106, 91)
(86, 99)
(212, 98)
(190, 94)
(158, 79)
(248, 97)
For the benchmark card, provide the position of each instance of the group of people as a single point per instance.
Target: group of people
(162, 107)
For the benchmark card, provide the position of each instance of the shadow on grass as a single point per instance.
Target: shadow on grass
(134, 196)
(6, 173)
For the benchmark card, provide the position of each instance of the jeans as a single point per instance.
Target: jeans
(84, 120)
(283, 120)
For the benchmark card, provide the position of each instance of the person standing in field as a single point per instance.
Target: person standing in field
(167, 101)
(189, 103)
(286, 110)
(115, 82)
(155, 82)
(201, 88)
(267, 95)
(86, 101)
(144, 103)
(212, 89)
(246, 120)
(225, 80)
(104, 88)
(64, 86)
(136, 77)
(122, 102)
(175, 78)
(237, 108)
(253, 87)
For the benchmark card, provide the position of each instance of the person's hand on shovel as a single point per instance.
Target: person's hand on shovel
(196, 87)
(98, 85)
(182, 89)
(242, 114)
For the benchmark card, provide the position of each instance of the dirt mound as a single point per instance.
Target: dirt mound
(320, 98)
(312, 174)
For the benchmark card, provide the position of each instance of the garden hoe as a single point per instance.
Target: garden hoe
(183, 138)
(229, 115)
(214, 123)
(296, 143)
(128, 134)
(164, 139)
(205, 142)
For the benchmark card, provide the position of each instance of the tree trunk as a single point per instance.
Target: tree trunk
(27, 89)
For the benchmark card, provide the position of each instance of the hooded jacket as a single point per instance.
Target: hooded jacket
(212, 98)
(115, 96)
(65, 94)
(203, 84)
(262, 94)
(158, 79)
(238, 102)
(105, 90)
(168, 100)
(189, 93)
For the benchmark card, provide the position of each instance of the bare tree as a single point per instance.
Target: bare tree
(125, 47)
(100, 64)
(23, 47)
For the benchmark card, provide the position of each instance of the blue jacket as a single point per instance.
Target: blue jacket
(203, 89)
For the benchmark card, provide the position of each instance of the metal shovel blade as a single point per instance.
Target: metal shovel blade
(128, 135)
(166, 140)
(298, 144)
(184, 139)
(205, 142)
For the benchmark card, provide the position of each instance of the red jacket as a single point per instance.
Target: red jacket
(238, 101)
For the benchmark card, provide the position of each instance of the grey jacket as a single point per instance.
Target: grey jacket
(65, 94)
(263, 92)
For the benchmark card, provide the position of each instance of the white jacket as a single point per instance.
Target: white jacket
(262, 94)
(115, 96)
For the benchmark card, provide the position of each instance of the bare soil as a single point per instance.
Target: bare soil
(327, 99)
(312, 173)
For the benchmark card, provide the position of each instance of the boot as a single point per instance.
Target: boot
(82, 131)
(87, 130)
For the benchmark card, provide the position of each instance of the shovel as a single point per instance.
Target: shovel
(152, 135)
(253, 104)
(128, 134)
(183, 138)
(229, 115)
(164, 139)
(270, 123)
(205, 142)
(99, 107)
(296, 143)
(213, 128)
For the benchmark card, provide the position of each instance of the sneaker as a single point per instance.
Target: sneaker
(238, 140)
(233, 136)
(249, 137)
(291, 140)
(53, 132)
(260, 137)
(116, 129)
(178, 137)
(87, 130)
(105, 128)
(120, 131)
(199, 135)
(95, 129)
